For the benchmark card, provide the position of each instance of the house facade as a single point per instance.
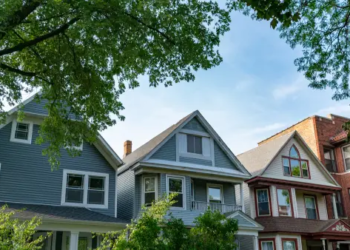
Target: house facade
(327, 139)
(73, 201)
(190, 159)
(287, 196)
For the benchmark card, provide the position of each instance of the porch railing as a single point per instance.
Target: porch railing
(223, 208)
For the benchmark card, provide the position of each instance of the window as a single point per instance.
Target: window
(284, 202)
(85, 189)
(267, 244)
(176, 184)
(329, 159)
(294, 166)
(310, 207)
(339, 204)
(22, 132)
(194, 144)
(215, 193)
(346, 156)
(263, 202)
(149, 190)
(289, 244)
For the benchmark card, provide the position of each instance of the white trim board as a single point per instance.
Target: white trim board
(184, 196)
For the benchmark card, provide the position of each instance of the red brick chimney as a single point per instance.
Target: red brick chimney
(127, 147)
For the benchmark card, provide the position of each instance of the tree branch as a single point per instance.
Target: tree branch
(18, 16)
(39, 39)
(18, 71)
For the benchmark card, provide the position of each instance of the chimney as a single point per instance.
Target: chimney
(127, 147)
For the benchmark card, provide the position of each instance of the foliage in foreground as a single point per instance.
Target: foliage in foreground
(18, 235)
(155, 230)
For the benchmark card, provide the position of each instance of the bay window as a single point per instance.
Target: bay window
(263, 202)
(267, 244)
(289, 244)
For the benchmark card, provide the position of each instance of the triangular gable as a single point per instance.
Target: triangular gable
(196, 121)
(318, 171)
(244, 221)
(338, 226)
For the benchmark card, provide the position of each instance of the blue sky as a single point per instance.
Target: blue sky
(253, 94)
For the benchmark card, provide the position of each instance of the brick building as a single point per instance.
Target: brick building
(326, 138)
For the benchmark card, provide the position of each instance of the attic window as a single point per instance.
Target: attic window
(22, 132)
(294, 166)
(195, 145)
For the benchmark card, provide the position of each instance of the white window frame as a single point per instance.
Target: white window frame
(262, 240)
(183, 190)
(221, 191)
(182, 147)
(143, 187)
(86, 187)
(30, 132)
(257, 202)
(344, 162)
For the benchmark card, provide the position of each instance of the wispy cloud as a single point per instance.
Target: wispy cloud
(268, 128)
(287, 89)
(338, 109)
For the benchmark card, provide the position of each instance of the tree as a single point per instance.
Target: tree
(154, 230)
(82, 55)
(17, 235)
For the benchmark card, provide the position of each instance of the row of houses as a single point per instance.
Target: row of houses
(289, 193)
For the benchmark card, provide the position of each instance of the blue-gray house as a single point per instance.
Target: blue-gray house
(73, 201)
(190, 159)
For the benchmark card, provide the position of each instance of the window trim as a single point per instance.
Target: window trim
(143, 187)
(290, 239)
(344, 162)
(184, 197)
(300, 166)
(273, 240)
(334, 158)
(256, 202)
(30, 132)
(316, 206)
(182, 152)
(291, 201)
(341, 203)
(86, 184)
(216, 186)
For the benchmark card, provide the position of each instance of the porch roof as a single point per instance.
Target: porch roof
(58, 213)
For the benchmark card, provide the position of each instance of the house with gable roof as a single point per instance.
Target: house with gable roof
(287, 196)
(73, 201)
(190, 159)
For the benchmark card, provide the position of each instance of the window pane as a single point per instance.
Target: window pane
(198, 144)
(75, 181)
(293, 153)
(267, 245)
(295, 164)
(21, 135)
(149, 198)
(347, 163)
(96, 183)
(284, 207)
(263, 202)
(214, 194)
(22, 127)
(194, 144)
(305, 169)
(96, 197)
(150, 185)
(179, 201)
(74, 195)
(310, 208)
(289, 245)
(175, 185)
(21, 131)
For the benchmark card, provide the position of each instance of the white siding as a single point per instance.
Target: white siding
(275, 169)
(274, 204)
(321, 204)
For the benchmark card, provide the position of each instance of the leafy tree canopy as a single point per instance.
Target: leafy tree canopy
(82, 55)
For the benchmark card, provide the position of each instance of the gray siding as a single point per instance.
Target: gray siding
(36, 108)
(126, 195)
(167, 151)
(200, 191)
(221, 159)
(194, 124)
(26, 175)
(245, 242)
(195, 161)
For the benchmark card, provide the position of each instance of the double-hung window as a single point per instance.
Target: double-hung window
(289, 244)
(329, 159)
(311, 207)
(195, 146)
(22, 132)
(346, 156)
(263, 202)
(339, 204)
(150, 190)
(284, 202)
(294, 166)
(176, 184)
(85, 189)
(267, 244)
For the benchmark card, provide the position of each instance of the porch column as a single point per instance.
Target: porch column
(256, 243)
(323, 244)
(242, 197)
(335, 211)
(73, 242)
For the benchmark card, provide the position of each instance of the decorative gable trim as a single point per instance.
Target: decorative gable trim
(211, 133)
(339, 226)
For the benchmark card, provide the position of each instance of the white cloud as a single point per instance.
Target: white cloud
(285, 90)
(338, 109)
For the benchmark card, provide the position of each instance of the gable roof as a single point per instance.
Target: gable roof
(101, 144)
(154, 144)
(258, 159)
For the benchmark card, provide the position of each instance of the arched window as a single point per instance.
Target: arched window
(294, 166)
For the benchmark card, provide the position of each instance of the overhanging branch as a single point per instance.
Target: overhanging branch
(18, 71)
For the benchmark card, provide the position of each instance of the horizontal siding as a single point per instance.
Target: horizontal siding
(321, 204)
(194, 124)
(167, 151)
(26, 175)
(221, 159)
(36, 107)
(126, 193)
(196, 161)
